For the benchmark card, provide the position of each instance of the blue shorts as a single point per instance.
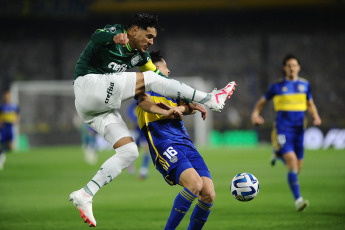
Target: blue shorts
(6, 133)
(176, 158)
(288, 141)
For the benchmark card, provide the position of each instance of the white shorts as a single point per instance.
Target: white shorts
(98, 98)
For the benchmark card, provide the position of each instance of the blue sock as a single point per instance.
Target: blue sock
(294, 184)
(199, 215)
(146, 160)
(181, 205)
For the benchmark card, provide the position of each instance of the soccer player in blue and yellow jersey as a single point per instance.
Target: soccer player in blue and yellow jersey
(175, 156)
(9, 116)
(291, 98)
(101, 84)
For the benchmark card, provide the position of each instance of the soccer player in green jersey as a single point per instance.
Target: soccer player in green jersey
(101, 84)
(291, 98)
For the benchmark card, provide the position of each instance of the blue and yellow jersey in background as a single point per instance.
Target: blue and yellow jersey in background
(103, 56)
(9, 114)
(290, 102)
(160, 131)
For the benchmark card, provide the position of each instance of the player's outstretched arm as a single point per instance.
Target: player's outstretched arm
(193, 107)
(256, 118)
(145, 102)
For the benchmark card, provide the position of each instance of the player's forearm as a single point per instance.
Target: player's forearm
(257, 109)
(313, 110)
(149, 106)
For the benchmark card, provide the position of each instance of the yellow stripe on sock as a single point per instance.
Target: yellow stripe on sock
(203, 206)
(187, 196)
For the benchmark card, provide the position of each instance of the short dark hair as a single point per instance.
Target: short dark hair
(156, 56)
(143, 20)
(288, 57)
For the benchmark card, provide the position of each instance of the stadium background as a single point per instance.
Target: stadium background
(243, 40)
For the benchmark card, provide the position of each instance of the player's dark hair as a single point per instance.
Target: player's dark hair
(143, 20)
(288, 57)
(156, 56)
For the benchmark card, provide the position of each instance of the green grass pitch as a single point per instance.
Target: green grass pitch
(34, 189)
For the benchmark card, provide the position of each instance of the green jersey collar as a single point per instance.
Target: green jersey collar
(127, 45)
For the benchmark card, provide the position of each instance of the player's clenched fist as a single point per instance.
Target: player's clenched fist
(121, 39)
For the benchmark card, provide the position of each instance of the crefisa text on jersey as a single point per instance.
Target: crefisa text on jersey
(109, 92)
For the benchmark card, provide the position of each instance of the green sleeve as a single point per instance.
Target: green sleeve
(106, 35)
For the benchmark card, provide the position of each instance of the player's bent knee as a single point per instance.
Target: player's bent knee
(126, 154)
(208, 196)
(194, 185)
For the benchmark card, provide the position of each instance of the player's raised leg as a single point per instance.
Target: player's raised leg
(150, 81)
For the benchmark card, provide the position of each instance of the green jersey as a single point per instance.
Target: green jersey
(103, 56)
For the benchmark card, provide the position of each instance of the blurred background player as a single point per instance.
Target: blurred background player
(88, 140)
(175, 156)
(101, 85)
(89, 144)
(9, 117)
(140, 140)
(291, 98)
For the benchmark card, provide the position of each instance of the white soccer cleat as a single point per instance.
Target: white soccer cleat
(83, 201)
(219, 97)
(301, 204)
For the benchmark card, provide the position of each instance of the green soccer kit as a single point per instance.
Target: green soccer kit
(103, 56)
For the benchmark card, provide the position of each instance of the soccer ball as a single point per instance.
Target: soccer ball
(244, 187)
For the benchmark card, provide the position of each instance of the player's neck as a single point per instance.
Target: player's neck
(291, 78)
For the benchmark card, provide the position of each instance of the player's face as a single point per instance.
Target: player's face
(163, 67)
(143, 39)
(292, 69)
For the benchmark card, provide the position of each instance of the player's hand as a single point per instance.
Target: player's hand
(317, 121)
(174, 113)
(200, 108)
(258, 120)
(121, 39)
(171, 112)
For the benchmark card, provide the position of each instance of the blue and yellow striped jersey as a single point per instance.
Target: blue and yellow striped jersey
(290, 101)
(9, 113)
(159, 130)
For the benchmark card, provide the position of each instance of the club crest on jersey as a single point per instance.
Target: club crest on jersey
(173, 159)
(284, 89)
(112, 29)
(301, 88)
(135, 59)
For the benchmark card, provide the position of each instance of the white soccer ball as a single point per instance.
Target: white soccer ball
(244, 187)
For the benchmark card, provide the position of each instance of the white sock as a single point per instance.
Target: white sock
(172, 88)
(112, 167)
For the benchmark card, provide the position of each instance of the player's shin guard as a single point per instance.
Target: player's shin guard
(172, 88)
(112, 167)
(181, 205)
(293, 183)
(199, 216)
